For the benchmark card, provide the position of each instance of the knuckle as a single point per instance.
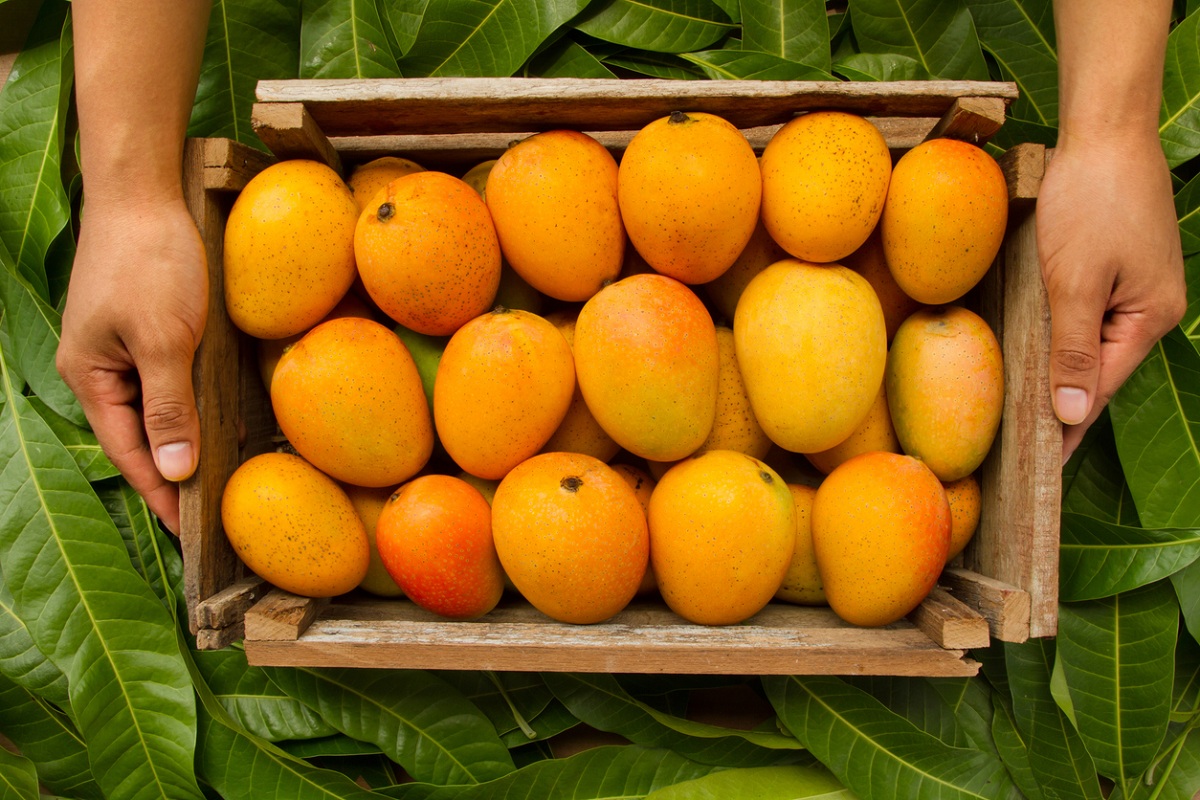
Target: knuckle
(166, 414)
(1070, 358)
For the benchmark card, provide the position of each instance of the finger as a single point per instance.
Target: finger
(169, 414)
(1074, 354)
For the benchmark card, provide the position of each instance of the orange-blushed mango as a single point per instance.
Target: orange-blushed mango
(966, 499)
(870, 262)
(825, 177)
(648, 364)
(294, 527)
(271, 350)
(945, 389)
(289, 249)
(643, 485)
(944, 219)
(579, 432)
(690, 191)
(811, 344)
(349, 399)
(367, 179)
(759, 253)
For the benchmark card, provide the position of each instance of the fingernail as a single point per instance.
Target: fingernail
(175, 460)
(1071, 405)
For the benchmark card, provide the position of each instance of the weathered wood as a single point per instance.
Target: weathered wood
(229, 165)
(282, 616)
(470, 105)
(971, 119)
(949, 622)
(218, 638)
(289, 131)
(1005, 607)
(1024, 166)
(646, 637)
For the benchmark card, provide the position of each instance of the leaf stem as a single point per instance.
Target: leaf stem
(520, 719)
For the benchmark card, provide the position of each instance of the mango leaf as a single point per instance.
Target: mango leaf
(480, 38)
(141, 535)
(876, 753)
(368, 770)
(956, 711)
(1099, 559)
(567, 58)
(1012, 748)
(80, 442)
(620, 771)
(92, 615)
(508, 699)
(1175, 773)
(419, 720)
(336, 745)
(1187, 589)
(1156, 418)
(344, 39)
(1094, 484)
(33, 110)
(1118, 657)
(880, 67)
(403, 19)
(1020, 131)
(22, 662)
(939, 35)
(1187, 208)
(555, 719)
(254, 701)
(18, 777)
(1058, 758)
(762, 783)
(49, 739)
(1179, 121)
(1019, 35)
(661, 26)
(793, 31)
(598, 700)
(749, 65)
(653, 65)
(248, 41)
(1191, 319)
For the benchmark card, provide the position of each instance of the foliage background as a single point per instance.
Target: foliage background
(103, 695)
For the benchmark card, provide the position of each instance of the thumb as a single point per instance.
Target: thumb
(1074, 356)
(169, 414)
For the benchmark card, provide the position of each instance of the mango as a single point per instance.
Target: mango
(870, 262)
(367, 179)
(579, 432)
(690, 190)
(648, 365)
(759, 253)
(553, 197)
(944, 220)
(945, 389)
(369, 503)
(811, 343)
(825, 177)
(802, 582)
(875, 432)
(880, 532)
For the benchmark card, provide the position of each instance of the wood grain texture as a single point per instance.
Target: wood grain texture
(228, 606)
(282, 616)
(951, 623)
(646, 638)
(229, 165)
(472, 105)
(289, 131)
(1024, 166)
(971, 119)
(1005, 607)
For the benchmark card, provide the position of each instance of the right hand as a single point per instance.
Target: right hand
(135, 312)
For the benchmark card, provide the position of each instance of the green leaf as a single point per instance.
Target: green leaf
(248, 41)
(336, 745)
(876, 753)
(1175, 773)
(653, 65)
(611, 772)
(1020, 131)
(793, 31)
(404, 21)
(762, 783)
(1019, 35)
(481, 38)
(1099, 559)
(45, 734)
(18, 777)
(1187, 588)
(661, 26)
(419, 720)
(1191, 319)
(1093, 482)
(21, 661)
(142, 537)
(1012, 747)
(1156, 418)
(600, 701)
(1058, 758)
(1179, 121)
(1118, 657)
(956, 711)
(880, 67)
(555, 719)
(79, 441)
(92, 615)
(33, 111)
(1187, 207)
(939, 34)
(567, 58)
(501, 696)
(749, 65)
(255, 701)
(344, 39)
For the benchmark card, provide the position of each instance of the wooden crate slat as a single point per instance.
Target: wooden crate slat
(1005, 607)
(290, 131)
(466, 105)
(229, 165)
(972, 119)
(951, 623)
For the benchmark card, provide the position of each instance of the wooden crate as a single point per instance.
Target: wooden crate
(1004, 586)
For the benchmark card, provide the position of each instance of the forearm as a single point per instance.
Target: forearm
(1110, 68)
(136, 69)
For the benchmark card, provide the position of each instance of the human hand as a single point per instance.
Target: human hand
(135, 312)
(1113, 267)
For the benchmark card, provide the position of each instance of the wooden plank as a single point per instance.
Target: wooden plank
(645, 638)
(950, 623)
(971, 119)
(229, 165)
(469, 105)
(218, 638)
(1024, 166)
(1005, 607)
(228, 606)
(282, 616)
(290, 131)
